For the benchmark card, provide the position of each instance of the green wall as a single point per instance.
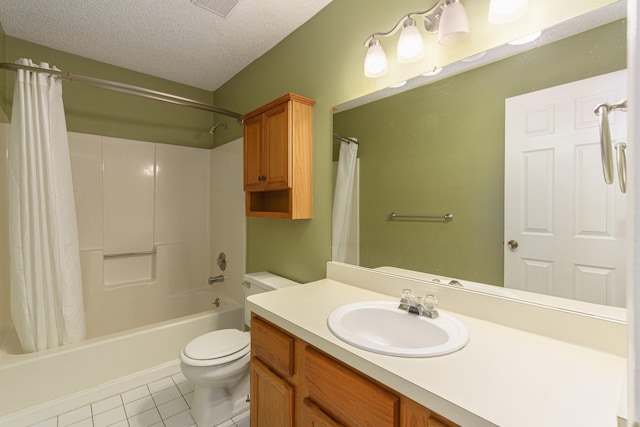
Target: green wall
(440, 148)
(3, 83)
(323, 60)
(104, 112)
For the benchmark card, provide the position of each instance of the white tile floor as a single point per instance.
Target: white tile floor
(164, 403)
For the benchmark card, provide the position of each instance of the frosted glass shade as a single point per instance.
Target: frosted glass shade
(506, 11)
(375, 62)
(454, 24)
(410, 45)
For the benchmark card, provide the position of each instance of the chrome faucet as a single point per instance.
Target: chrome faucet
(214, 279)
(422, 306)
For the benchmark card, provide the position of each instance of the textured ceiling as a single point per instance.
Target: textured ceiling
(171, 39)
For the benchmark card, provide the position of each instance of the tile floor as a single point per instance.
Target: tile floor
(163, 403)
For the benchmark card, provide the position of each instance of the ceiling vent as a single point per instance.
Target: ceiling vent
(219, 7)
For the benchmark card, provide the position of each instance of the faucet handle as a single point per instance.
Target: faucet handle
(430, 302)
(429, 306)
(406, 299)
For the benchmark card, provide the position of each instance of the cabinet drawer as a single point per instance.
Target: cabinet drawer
(348, 397)
(272, 346)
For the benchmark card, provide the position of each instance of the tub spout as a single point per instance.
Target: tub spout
(214, 279)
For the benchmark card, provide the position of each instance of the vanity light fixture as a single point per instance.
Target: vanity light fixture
(375, 63)
(410, 45)
(507, 11)
(454, 24)
(447, 18)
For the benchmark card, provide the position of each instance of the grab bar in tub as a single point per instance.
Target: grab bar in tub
(126, 254)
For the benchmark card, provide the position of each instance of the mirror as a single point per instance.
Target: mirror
(439, 147)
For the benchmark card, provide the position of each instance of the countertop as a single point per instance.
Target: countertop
(503, 376)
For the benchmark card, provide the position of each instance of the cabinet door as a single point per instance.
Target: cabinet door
(312, 416)
(272, 398)
(253, 154)
(413, 414)
(277, 146)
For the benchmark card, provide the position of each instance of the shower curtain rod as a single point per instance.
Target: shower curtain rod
(125, 88)
(346, 139)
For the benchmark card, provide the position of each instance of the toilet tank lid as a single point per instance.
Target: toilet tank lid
(268, 280)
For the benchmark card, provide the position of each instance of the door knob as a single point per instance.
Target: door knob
(512, 244)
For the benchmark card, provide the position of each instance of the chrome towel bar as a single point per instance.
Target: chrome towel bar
(446, 217)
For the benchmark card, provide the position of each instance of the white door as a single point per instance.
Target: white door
(568, 225)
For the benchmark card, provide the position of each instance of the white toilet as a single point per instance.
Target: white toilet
(217, 363)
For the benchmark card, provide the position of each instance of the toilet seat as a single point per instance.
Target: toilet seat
(216, 348)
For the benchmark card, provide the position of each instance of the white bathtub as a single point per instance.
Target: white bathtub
(37, 385)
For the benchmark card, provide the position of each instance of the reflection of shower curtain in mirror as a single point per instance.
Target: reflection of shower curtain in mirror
(342, 201)
(46, 285)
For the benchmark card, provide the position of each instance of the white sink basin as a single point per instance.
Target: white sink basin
(380, 327)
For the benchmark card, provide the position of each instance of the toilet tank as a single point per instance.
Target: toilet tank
(256, 283)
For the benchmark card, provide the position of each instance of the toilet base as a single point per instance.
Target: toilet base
(212, 406)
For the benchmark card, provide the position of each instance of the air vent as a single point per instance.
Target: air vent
(219, 7)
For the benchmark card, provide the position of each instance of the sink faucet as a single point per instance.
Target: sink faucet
(422, 306)
(214, 279)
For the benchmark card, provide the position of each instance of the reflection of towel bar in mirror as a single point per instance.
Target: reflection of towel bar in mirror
(126, 254)
(446, 217)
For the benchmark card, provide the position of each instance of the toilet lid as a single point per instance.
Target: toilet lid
(216, 344)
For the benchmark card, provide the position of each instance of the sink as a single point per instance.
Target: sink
(381, 327)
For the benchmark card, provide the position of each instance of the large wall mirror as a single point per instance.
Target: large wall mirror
(439, 148)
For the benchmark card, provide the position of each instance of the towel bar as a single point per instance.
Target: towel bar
(446, 217)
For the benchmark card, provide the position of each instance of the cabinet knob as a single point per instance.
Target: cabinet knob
(262, 178)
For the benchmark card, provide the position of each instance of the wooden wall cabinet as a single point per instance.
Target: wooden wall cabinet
(278, 158)
(295, 384)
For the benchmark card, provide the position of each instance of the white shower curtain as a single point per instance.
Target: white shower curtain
(46, 285)
(341, 221)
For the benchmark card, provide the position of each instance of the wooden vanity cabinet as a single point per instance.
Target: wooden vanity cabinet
(295, 384)
(278, 158)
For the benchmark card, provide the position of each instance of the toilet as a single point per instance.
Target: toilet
(217, 363)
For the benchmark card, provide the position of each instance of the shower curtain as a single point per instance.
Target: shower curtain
(45, 280)
(341, 220)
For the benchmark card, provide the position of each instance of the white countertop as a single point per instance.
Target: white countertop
(503, 376)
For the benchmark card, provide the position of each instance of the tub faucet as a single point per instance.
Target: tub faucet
(214, 279)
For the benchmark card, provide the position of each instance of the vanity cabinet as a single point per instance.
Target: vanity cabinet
(300, 385)
(278, 158)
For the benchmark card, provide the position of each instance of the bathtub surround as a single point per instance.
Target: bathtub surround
(154, 197)
(46, 284)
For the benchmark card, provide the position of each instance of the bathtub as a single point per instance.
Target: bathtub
(35, 386)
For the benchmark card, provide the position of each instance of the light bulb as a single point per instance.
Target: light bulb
(506, 11)
(410, 45)
(454, 23)
(375, 62)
